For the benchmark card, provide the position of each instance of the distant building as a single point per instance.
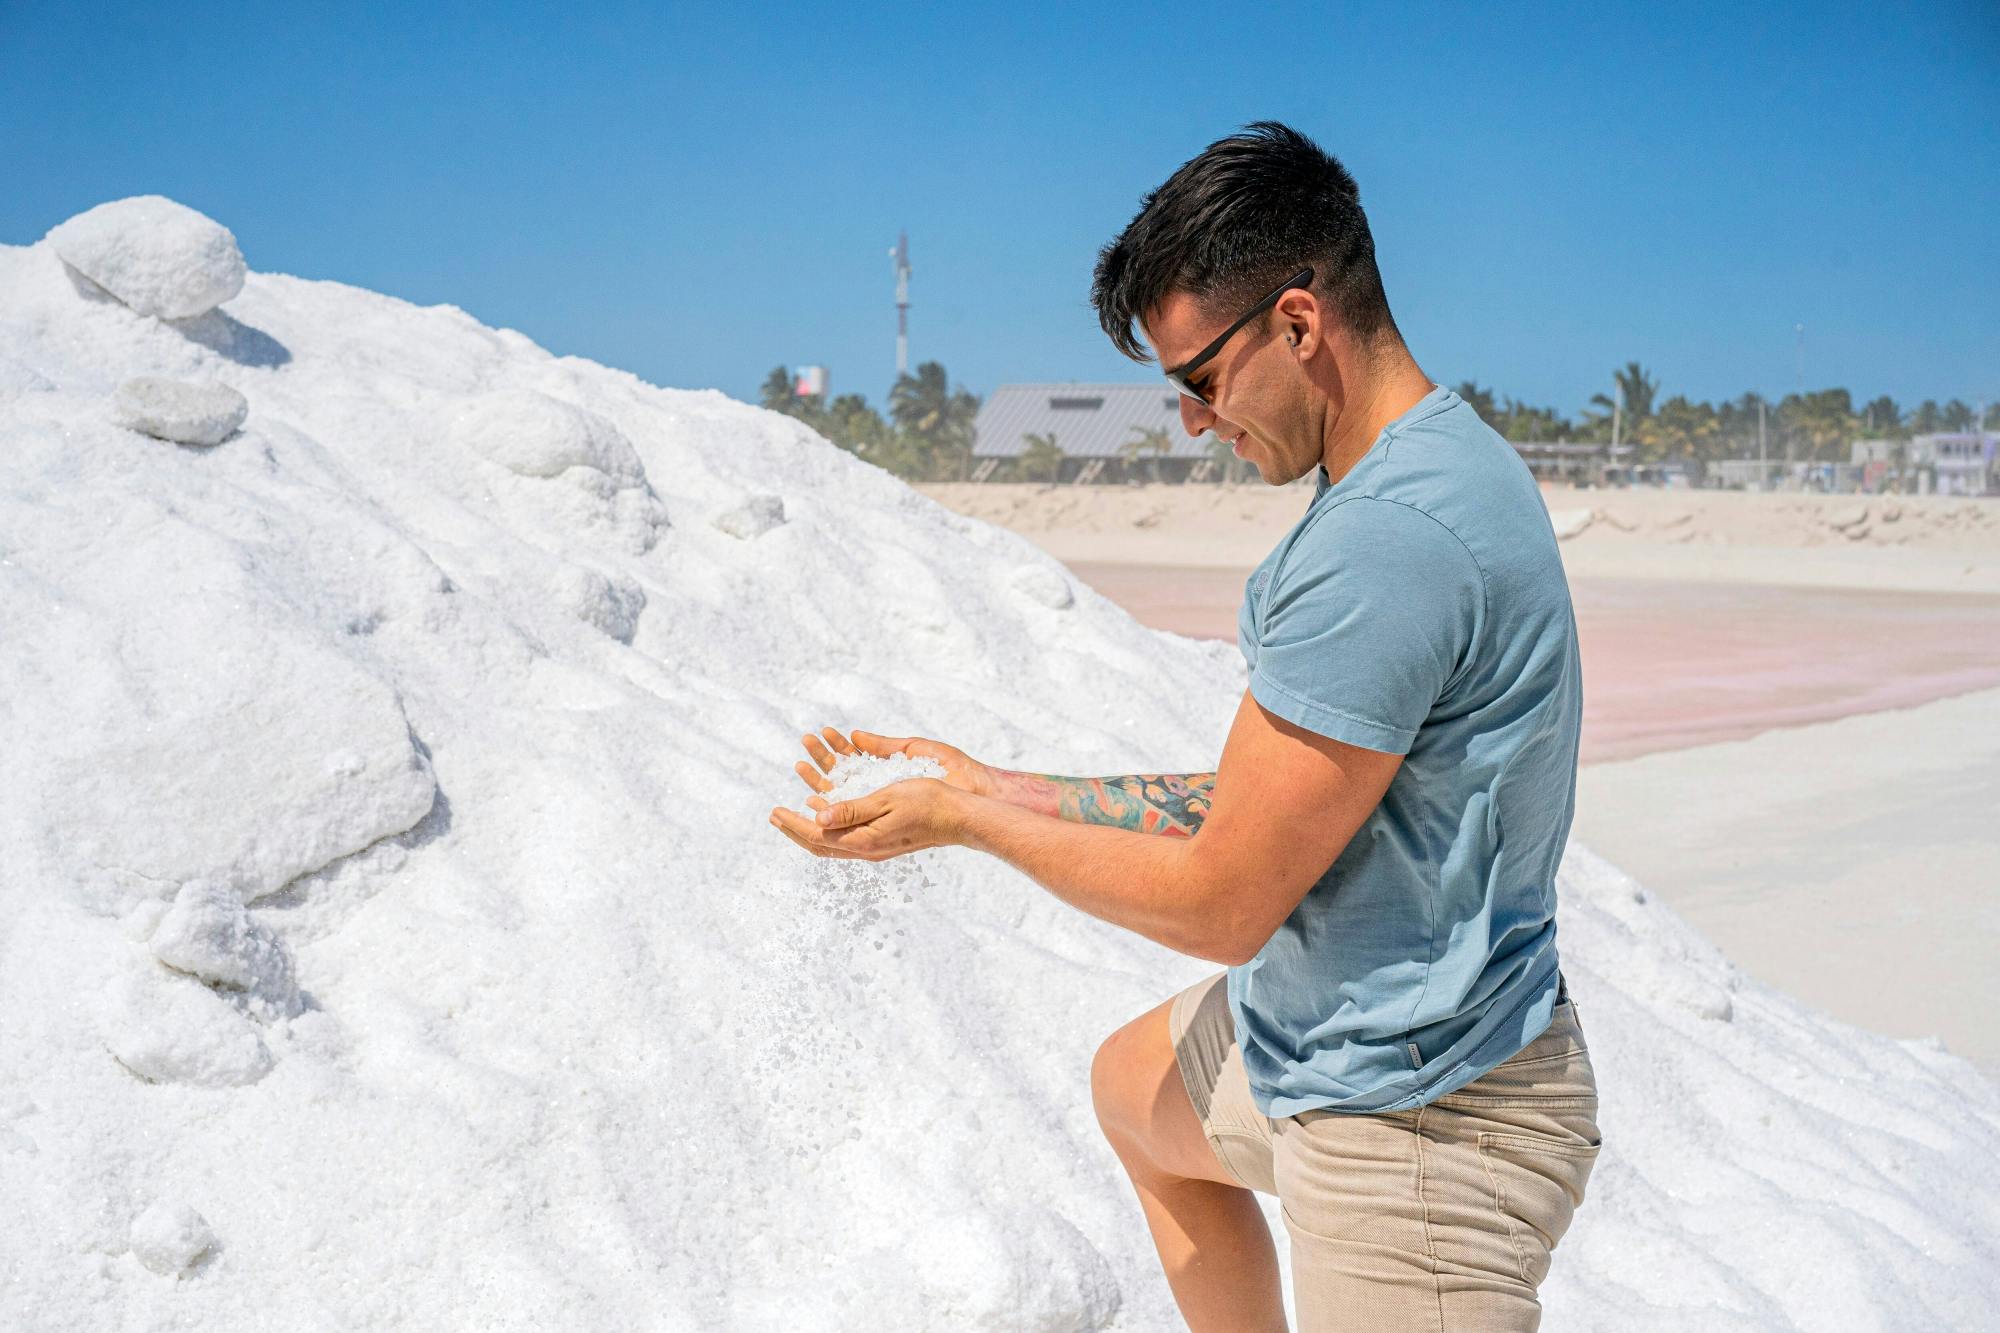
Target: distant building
(1960, 464)
(1947, 463)
(1579, 464)
(1096, 426)
(1877, 460)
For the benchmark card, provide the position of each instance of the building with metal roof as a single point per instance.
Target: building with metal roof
(1093, 424)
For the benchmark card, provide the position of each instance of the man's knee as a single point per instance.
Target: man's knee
(1126, 1077)
(1129, 1078)
(1110, 1082)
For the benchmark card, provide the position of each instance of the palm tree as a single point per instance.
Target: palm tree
(1639, 389)
(1681, 430)
(1635, 391)
(935, 416)
(1884, 418)
(1481, 401)
(1043, 449)
(1819, 423)
(777, 391)
(1520, 422)
(1157, 441)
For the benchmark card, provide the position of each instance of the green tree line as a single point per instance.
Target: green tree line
(927, 435)
(1809, 427)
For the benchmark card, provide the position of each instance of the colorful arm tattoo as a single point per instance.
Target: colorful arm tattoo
(1171, 803)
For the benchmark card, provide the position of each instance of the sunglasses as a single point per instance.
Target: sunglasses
(1178, 376)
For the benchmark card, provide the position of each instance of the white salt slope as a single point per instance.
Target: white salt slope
(580, 1041)
(158, 257)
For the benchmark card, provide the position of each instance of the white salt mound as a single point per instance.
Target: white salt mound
(183, 413)
(158, 257)
(500, 1005)
(168, 1237)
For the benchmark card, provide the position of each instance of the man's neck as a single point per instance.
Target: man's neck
(1395, 385)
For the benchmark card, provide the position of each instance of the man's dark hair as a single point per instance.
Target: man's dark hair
(1252, 210)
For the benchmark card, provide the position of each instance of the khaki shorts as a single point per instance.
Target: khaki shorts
(1441, 1217)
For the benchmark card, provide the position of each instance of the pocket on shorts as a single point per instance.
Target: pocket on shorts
(1538, 1184)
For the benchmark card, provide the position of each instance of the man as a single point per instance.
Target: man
(1392, 1051)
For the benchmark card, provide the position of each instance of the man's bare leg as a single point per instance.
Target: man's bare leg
(1211, 1235)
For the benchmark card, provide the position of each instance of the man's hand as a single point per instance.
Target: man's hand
(961, 770)
(900, 818)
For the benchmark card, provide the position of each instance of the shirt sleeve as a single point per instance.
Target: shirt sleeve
(1366, 620)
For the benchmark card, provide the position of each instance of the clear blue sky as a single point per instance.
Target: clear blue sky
(697, 194)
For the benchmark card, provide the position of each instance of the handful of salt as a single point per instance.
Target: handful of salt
(854, 775)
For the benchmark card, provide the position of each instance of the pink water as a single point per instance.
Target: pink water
(1668, 665)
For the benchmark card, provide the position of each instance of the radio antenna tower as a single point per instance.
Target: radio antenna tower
(901, 254)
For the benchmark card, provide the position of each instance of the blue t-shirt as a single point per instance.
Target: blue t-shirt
(1419, 607)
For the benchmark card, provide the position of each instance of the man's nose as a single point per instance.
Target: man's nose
(1196, 417)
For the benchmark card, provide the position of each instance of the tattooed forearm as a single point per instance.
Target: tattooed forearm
(1171, 803)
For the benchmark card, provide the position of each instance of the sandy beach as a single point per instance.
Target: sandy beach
(1792, 710)
(1852, 863)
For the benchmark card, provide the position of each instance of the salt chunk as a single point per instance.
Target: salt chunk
(158, 257)
(753, 518)
(210, 934)
(169, 1237)
(610, 602)
(534, 435)
(1042, 585)
(183, 413)
(169, 1029)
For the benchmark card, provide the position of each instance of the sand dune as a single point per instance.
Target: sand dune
(1914, 543)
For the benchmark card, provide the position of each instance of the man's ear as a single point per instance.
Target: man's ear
(1303, 320)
